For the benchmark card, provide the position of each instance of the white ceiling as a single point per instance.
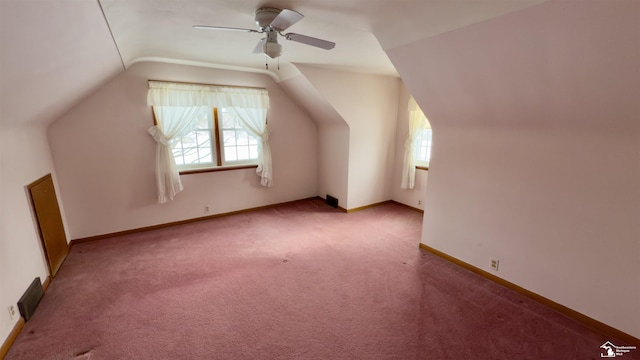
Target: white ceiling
(52, 54)
(163, 29)
(55, 52)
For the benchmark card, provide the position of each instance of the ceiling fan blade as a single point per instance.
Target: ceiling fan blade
(260, 46)
(285, 19)
(323, 44)
(207, 27)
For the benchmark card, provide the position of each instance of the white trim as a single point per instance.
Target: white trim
(273, 75)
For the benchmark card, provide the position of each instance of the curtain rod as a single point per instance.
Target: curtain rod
(192, 83)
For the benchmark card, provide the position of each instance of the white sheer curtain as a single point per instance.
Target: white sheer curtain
(177, 107)
(417, 121)
(250, 111)
(172, 124)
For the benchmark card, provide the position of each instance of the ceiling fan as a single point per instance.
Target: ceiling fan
(272, 22)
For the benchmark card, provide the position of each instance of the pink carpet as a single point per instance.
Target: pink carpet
(300, 281)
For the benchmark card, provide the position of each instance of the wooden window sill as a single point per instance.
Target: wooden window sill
(425, 168)
(216, 169)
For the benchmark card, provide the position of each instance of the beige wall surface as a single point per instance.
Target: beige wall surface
(536, 150)
(105, 157)
(24, 158)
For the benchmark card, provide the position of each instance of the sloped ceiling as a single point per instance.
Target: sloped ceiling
(163, 29)
(55, 52)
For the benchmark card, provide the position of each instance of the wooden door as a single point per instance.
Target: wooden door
(49, 220)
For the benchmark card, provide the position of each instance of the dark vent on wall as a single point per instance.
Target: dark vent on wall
(30, 300)
(331, 201)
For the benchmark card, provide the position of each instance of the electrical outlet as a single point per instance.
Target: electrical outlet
(12, 311)
(206, 209)
(419, 202)
(493, 263)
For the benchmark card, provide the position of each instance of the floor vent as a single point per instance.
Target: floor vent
(30, 300)
(331, 201)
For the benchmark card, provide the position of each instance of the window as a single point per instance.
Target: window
(196, 149)
(417, 148)
(238, 145)
(217, 140)
(189, 136)
(422, 149)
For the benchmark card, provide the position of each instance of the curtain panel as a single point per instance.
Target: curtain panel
(173, 123)
(169, 101)
(417, 121)
(251, 120)
(173, 94)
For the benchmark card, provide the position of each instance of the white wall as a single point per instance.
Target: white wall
(412, 197)
(24, 158)
(369, 105)
(333, 138)
(536, 155)
(333, 162)
(104, 156)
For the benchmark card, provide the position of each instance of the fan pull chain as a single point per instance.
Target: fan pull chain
(266, 63)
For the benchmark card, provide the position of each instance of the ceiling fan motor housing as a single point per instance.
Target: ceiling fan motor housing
(272, 22)
(265, 16)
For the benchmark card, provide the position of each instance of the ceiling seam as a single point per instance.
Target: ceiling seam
(124, 67)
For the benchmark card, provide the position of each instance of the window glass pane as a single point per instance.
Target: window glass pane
(422, 150)
(190, 156)
(253, 151)
(242, 137)
(204, 155)
(243, 153)
(416, 149)
(228, 121)
(230, 153)
(189, 140)
(205, 159)
(229, 137)
(203, 123)
(423, 154)
(203, 138)
(198, 146)
(253, 140)
(177, 155)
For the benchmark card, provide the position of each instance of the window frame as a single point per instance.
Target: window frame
(218, 163)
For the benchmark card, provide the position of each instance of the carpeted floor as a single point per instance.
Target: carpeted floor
(300, 281)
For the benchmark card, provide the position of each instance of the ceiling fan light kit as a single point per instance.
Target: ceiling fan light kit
(272, 22)
(272, 50)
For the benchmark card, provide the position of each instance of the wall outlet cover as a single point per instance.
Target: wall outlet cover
(494, 263)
